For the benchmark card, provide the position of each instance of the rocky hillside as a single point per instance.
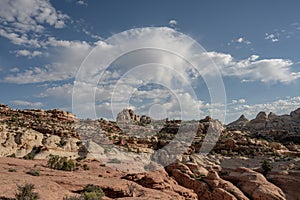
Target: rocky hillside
(128, 159)
(283, 128)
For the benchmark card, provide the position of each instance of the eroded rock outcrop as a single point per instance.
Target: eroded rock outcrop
(264, 122)
(49, 130)
(128, 115)
(207, 184)
(255, 185)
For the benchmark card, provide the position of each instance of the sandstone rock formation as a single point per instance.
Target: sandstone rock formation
(239, 123)
(23, 130)
(128, 115)
(255, 185)
(264, 122)
(232, 170)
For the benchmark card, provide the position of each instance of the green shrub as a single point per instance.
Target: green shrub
(35, 150)
(80, 158)
(34, 172)
(61, 163)
(29, 156)
(89, 192)
(12, 170)
(92, 192)
(62, 142)
(25, 192)
(12, 155)
(266, 166)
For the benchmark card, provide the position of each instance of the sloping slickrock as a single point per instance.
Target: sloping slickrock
(211, 187)
(255, 185)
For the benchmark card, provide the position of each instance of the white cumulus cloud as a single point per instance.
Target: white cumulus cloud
(26, 103)
(173, 22)
(27, 53)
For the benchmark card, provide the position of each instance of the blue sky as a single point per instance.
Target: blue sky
(255, 45)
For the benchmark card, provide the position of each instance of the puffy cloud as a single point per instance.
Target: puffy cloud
(271, 37)
(69, 55)
(27, 53)
(19, 39)
(29, 15)
(252, 69)
(238, 101)
(26, 103)
(15, 69)
(23, 21)
(240, 40)
(153, 56)
(82, 3)
(172, 22)
(153, 60)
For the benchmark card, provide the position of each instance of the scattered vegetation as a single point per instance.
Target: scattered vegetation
(12, 155)
(12, 170)
(34, 151)
(266, 166)
(26, 192)
(80, 158)
(34, 172)
(29, 156)
(92, 192)
(89, 192)
(61, 163)
(62, 142)
(194, 176)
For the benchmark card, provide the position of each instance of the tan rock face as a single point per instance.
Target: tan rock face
(269, 122)
(288, 181)
(210, 186)
(255, 185)
(159, 180)
(125, 116)
(20, 142)
(23, 130)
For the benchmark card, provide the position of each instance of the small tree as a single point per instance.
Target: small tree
(266, 166)
(25, 192)
(61, 163)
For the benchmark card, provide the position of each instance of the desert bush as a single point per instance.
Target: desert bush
(89, 192)
(25, 192)
(62, 142)
(92, 192)
(80, 158)
(30, 156)
(12, 155)
(34, 172)
(12, 170)
(266, 166)
(61, 163)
